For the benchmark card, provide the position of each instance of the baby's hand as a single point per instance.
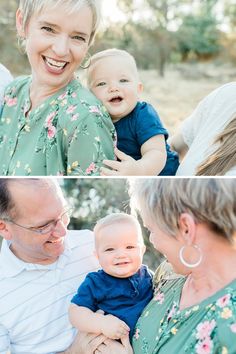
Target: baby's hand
(112, 327)
(127, 166)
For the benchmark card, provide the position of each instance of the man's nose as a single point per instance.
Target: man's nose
(60, 229)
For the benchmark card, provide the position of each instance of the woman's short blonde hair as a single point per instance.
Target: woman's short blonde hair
(116, 218)
(209, 200)
(30, 7)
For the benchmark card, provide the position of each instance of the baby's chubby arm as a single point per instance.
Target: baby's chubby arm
(88, 321)
(153, 160)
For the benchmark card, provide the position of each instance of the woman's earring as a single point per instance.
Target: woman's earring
(21, 44)
(187, 264)
(86, 61)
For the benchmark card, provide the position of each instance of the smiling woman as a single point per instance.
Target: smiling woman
(49, 120)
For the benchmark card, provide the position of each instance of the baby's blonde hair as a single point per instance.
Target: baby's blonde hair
(224, 157)
(116, 218)
(112, 52)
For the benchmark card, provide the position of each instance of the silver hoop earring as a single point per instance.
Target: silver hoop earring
(86, 62)
(21, 45)
(184, 262)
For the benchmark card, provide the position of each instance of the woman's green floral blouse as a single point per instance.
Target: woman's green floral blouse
(70, 133)
(206, 328)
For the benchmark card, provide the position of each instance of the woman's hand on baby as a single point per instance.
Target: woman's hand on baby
(112, 327)
(127, 166)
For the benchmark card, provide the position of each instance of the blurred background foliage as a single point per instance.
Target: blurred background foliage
(94, 198)
(155, 32)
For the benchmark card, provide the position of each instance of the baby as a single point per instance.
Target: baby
(5, 79)
(122, 288)
(113, 78)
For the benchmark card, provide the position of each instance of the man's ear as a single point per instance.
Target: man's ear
(4, 230)
(187, 228)
(19, 24)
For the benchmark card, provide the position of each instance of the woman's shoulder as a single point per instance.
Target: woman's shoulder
(224, 92)
(79, 98)
(78, 102)
(15, 85)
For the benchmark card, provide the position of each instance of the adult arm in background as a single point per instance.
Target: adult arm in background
(177, 144)
(205, 117)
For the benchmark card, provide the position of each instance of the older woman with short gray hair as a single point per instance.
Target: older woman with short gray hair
(193, 223)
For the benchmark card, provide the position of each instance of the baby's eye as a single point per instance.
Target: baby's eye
(47, 29)
(109, 249)
(102, 83)
(124, 80)
(130, 247)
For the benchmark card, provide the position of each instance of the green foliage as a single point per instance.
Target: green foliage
(10, 55)
(154, 31)
(199, 35)
(230, 13)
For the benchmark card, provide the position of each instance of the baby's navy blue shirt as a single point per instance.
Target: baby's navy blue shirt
(124, 298)
(139, 126)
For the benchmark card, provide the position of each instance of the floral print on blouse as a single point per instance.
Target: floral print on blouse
(70, 133)
(206, 328)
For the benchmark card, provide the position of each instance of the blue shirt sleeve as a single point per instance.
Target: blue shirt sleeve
(148, 123)
(86, 294)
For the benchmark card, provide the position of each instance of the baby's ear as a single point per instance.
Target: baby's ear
(140, 88)
(95, 254)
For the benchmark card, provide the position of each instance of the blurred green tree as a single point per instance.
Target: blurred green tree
(198, 33)
(230, 13)
(10, 54)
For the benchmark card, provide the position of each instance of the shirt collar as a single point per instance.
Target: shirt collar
(11, 265)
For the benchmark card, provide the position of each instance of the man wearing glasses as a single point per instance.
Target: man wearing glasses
(41, 267)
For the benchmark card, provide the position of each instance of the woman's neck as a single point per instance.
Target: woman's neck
(40, 92)
(213, 275)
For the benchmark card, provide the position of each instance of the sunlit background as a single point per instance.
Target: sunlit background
(111, 11)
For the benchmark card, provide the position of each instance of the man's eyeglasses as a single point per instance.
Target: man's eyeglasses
(46, 229)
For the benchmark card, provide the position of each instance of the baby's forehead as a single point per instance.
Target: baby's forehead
(110, 232)
(115, 58)
(115, 64)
